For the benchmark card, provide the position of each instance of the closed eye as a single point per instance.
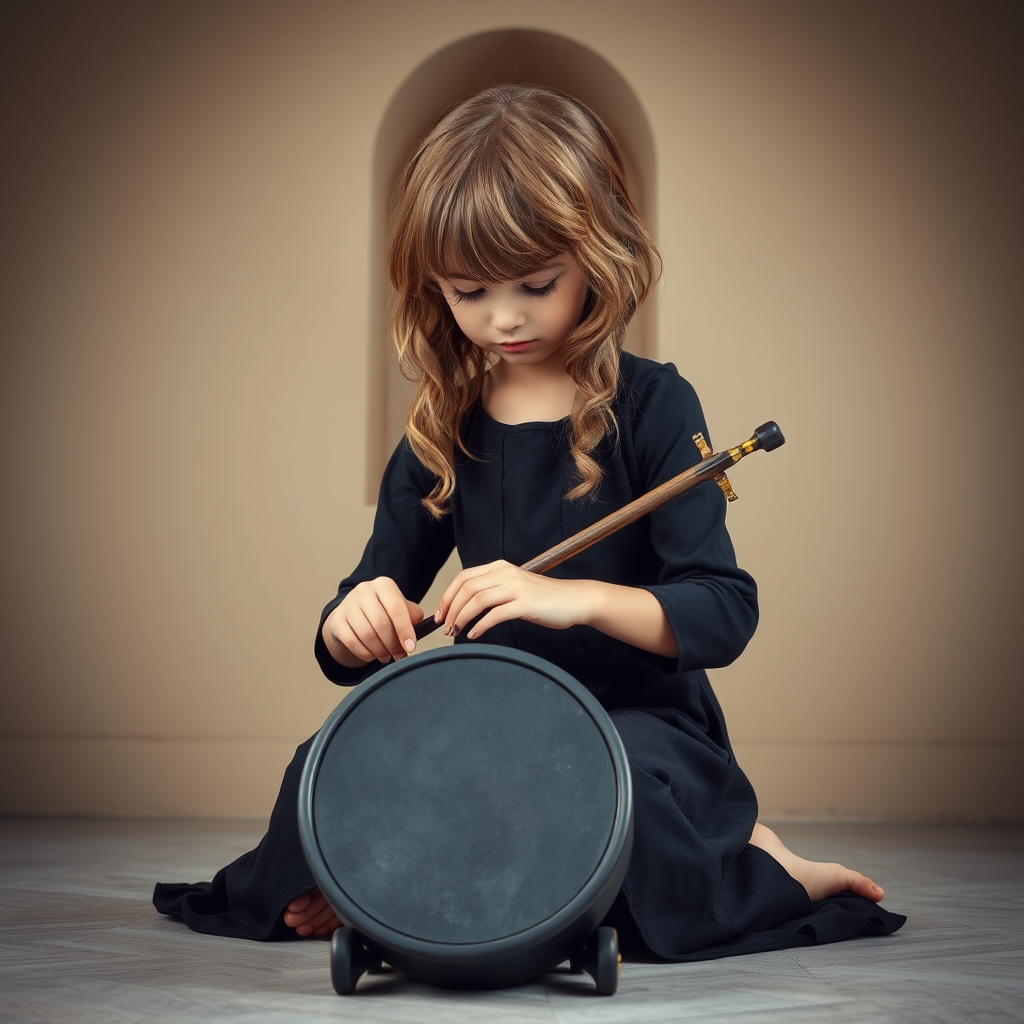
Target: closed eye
(540, 291)
(457, 297)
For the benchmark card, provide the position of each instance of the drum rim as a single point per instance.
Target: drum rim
(618, 840)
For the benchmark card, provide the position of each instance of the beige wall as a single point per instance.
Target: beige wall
(185, 251)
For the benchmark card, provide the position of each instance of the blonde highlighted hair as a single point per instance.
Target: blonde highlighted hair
(506, 180)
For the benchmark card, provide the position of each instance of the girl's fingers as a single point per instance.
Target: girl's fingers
(375, 621)
(456, 606)
(345, 635)
(380, 619)
(366, 630)
(510, 593)
(502, 613)
(396, 608)
(474, 600)
(390, 617)
(479, 585)
(393, 623)
(460, 579)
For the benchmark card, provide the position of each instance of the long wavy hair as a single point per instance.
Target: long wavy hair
(505, 181)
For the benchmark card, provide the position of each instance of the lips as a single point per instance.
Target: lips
(515, 346)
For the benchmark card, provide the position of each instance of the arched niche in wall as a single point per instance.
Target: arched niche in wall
(449, 75)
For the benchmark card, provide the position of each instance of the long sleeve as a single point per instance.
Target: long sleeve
(711, 604)
(408, 545)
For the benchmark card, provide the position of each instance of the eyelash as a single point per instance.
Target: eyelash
(458, 297)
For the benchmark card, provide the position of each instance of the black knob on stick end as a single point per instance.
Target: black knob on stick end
(769, 436)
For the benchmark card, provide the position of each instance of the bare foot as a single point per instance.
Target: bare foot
(819, 878)
(311, 914)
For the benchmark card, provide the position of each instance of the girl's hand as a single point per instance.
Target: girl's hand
(373, 621)
(506, 592)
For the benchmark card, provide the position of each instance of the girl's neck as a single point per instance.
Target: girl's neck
(528, 393)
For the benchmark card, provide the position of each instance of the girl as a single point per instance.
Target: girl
(518, 261)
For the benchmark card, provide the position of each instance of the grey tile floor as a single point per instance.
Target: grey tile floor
(79, 942)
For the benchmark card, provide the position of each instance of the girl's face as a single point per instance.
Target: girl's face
(524, 321)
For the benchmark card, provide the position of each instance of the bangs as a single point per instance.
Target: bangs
(491, 225)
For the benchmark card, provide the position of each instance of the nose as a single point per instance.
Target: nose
(508, 314)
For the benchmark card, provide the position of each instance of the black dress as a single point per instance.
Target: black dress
(695, 889)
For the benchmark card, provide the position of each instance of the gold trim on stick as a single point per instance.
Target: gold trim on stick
(722, 480)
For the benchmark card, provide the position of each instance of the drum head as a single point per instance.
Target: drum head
(462, 796)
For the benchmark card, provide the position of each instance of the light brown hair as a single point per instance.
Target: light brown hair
(505, 181)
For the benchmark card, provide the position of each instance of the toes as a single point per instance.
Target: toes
(320, 920)
(861, 885)
(299, 904)
(303, 909)
(326, 929)
(292, 917)
(869, 890)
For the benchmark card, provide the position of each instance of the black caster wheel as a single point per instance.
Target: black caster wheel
(350, 960)
(600, 959)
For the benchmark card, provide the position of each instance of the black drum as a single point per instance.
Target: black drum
(467, 812)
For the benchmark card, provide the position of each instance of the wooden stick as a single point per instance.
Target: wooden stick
(767, 437)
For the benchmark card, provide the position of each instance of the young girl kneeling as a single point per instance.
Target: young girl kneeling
(518, 261)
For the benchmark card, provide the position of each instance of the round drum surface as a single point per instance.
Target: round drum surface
(464, 803)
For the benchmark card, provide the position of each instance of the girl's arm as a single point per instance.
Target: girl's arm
(370, 620)
(632, 615)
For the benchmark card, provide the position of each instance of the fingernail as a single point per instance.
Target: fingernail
(437, 616)
(410, 645)
(471, 635)
(456, 630)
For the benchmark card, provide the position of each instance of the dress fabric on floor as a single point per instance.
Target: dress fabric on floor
(695, 888)
(246, 899)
